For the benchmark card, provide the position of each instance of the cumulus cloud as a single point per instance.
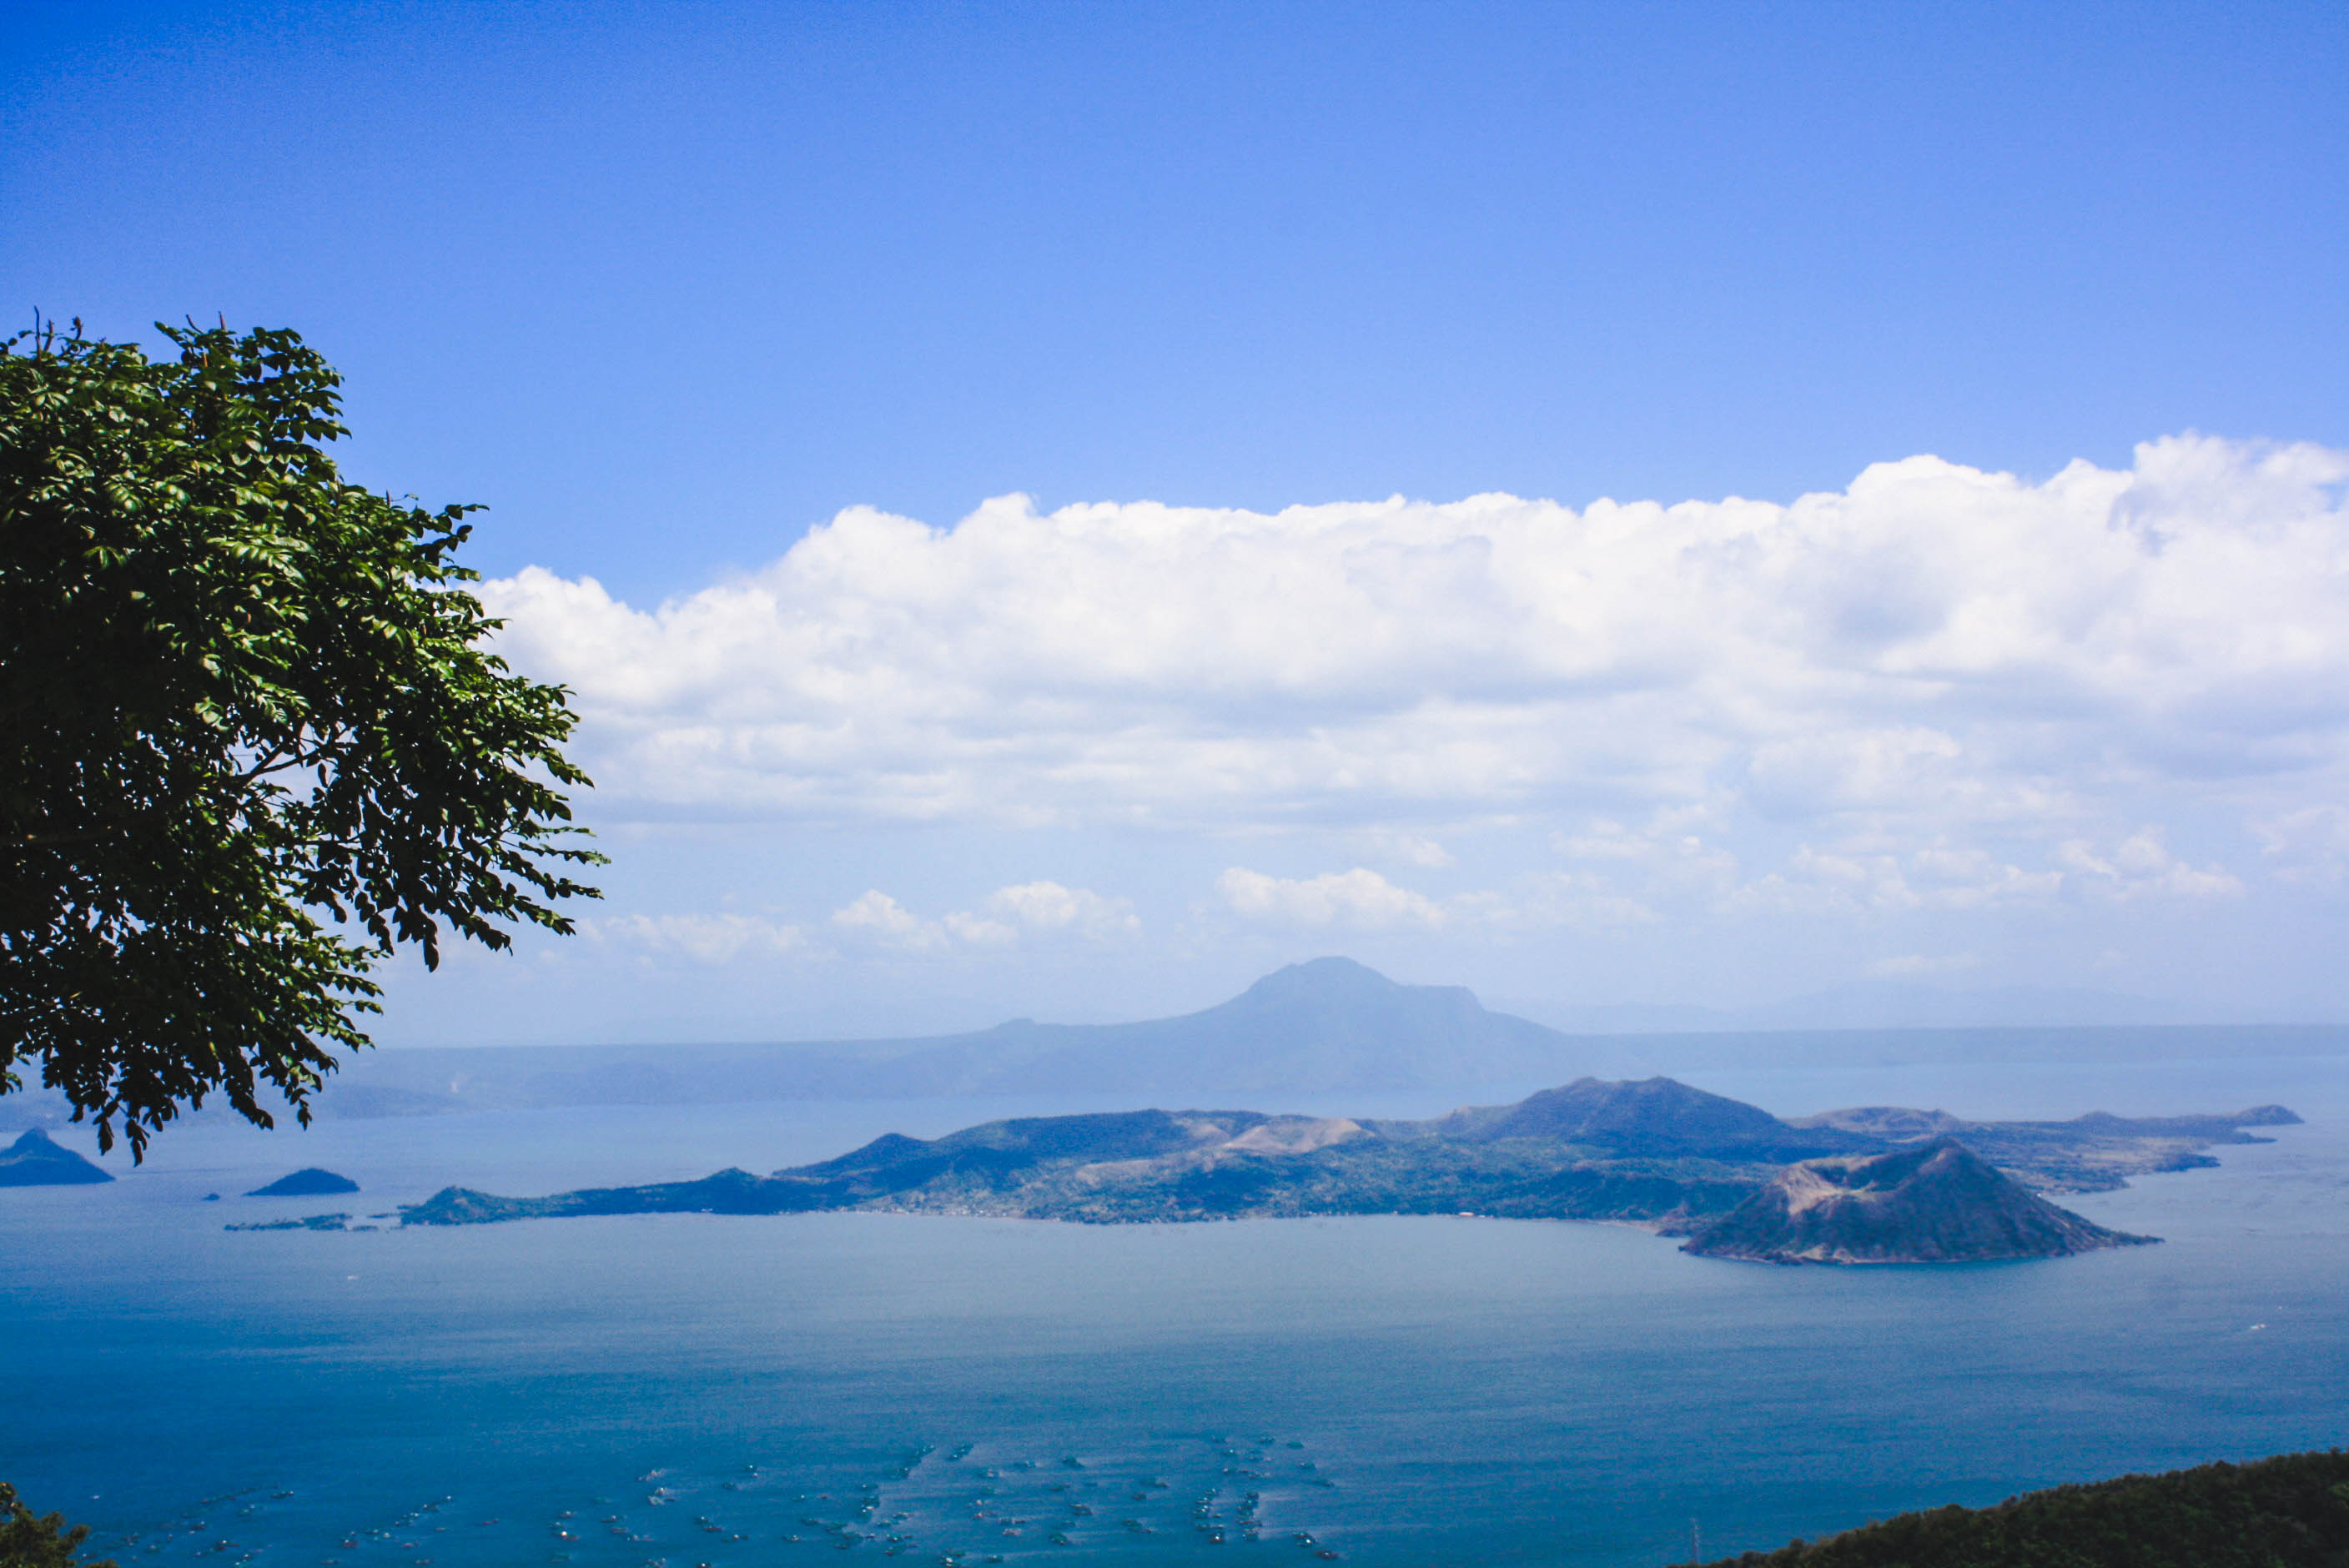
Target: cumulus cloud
(2307, 845)
(714, 939)
(873, 917)
(1934, 638)
(1359, 898)
(1876, 873)
(1036, 909)
(1938, 688)
(1048, 907)
(1362, 900)
(2141, 866)
(1669, 854)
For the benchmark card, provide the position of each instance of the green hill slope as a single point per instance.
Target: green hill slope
(2287, 1513)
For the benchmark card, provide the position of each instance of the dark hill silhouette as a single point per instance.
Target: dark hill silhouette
(2290, 1511)
(32, 1160)
(308, 1182)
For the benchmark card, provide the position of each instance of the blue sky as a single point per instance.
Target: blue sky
(668, 286)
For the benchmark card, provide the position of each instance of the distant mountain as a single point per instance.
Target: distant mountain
(34, 1161)
(1931, 1203)
(1327, 1027)
(1331, 1026)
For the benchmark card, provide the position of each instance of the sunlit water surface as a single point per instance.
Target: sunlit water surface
(691, 1389)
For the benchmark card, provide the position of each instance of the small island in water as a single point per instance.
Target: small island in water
(1877, 1184)
(33, 1160)
(308, 1182)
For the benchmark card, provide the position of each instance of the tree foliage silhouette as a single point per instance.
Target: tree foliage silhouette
(252, 738)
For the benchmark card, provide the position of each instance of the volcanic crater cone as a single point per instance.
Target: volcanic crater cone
(1935, 1202)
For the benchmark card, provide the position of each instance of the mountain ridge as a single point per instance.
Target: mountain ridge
(1326, 1025)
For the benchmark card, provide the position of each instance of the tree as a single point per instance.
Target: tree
(251, 741)
(39, 1540)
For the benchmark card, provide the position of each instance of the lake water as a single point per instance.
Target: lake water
(692, 1389)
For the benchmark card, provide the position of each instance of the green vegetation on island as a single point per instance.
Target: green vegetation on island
(2291, 1512)
(1653, 1152)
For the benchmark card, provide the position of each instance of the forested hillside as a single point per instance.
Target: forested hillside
(2287, 1513)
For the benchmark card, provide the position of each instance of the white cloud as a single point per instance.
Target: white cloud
(1048, 907)
(1880, 874)
(1905, 765)
(978, 931)
(873, 917)
(1668, 856)
(1935, 639)
(1036, 909)
(1943, 876)
(1951, 687)
(714, 939)
(2309, 845)
(1628, 875)
(1361, 899)
(2141, 866)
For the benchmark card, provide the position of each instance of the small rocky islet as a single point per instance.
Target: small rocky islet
(1876, 1184)
(335, 1222)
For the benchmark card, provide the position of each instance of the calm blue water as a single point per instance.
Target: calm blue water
(689, 1389)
